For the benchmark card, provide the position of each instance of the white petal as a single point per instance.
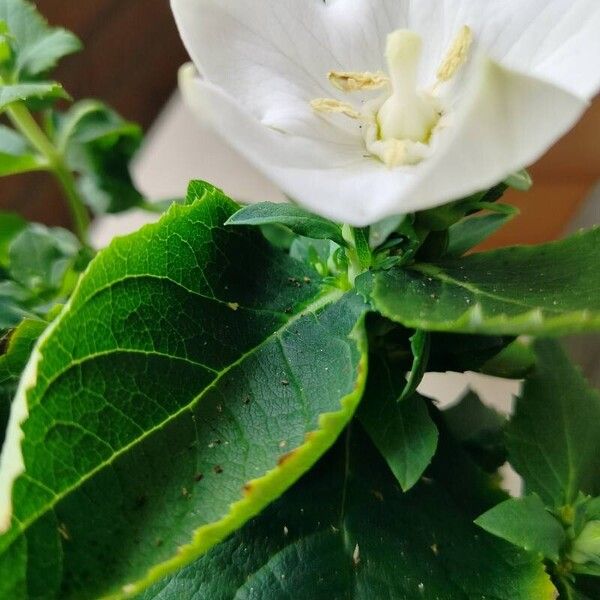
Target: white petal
(507, 120)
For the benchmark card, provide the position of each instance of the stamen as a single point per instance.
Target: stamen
(330, 105)
(348, 81)
(457, 55)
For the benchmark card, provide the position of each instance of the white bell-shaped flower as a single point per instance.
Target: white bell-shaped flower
(363, 109)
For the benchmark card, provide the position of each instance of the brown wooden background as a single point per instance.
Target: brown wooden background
(131, 56)
(132, 52)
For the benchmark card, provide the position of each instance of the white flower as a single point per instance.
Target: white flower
(363, 109)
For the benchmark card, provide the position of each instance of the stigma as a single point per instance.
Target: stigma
(398, 126)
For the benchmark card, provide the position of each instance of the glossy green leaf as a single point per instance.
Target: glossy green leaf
(526, 523)
(99, 146)
(402, 431)
(554, 437)
(347, 532)
(295, 218)
(15, 155)
(550, 289)
(204, 376)
(44, 90)
(37, 46)
(468, 233)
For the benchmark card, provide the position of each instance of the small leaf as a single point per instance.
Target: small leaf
(21, 92)
(40, 258)
(554, 438)
(470, 232)
(550, 289)
(402, 431)
(526, 523)
(99, 145)
(515, 361)
(379, 232)
(521, 181)
(15, 155)
(420, 344)
(10, 225)
(298, 220)
(346, 531)
(37, 46)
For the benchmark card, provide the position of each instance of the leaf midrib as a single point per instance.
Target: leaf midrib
(321, 301)
(439, 273)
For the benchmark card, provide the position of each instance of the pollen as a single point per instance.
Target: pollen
(330, 105)
(349, 81)
(457, 55)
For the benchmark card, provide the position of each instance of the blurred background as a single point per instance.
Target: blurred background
(131, 57)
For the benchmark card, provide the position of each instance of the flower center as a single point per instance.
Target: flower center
(407, 114)
(398, 126)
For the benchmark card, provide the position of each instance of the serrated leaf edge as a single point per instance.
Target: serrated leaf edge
(260, 492)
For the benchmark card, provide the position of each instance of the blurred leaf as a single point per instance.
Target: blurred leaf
(526, 523)
(99, 145)
(44, 90)
(10, 225)
(15, 154)
(40, 257)
(521, 181)
(37, 46)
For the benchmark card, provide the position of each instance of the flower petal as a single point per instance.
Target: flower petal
(506, 120)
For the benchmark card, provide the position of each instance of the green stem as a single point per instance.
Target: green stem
(23, 120)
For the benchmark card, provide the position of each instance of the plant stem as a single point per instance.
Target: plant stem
(23, 120)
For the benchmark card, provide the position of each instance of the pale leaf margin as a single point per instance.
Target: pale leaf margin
(257, 493)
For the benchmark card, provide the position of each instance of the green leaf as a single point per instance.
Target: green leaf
(420, 344)
(347, 532)
(526, 523)
(468, 233)
(37, 46)
(402, 431)
(15, 348)
(201, 380)
(554, 438)
(99, 145)
(295, 218)
(550, 289)
(515, 361)
(10, 225)
(479, 429)
(15, 155)
(21, 92)
(521, 181)
(39, 258)
(460, 352)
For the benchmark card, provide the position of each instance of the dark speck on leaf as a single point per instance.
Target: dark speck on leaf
(198, 477)
(218, 469)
